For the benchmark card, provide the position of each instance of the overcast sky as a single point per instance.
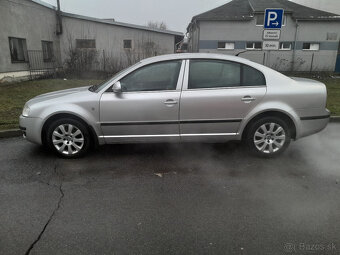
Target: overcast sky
(175, 13)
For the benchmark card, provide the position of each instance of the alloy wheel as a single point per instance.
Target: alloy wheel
(68, 139)
(269, 138)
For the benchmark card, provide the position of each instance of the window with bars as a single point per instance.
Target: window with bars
(18, 49)
(285, 46)
(85, 43)
(310, 46)
(47, 48)
(254, 45)
(226, 45)
(127, 44)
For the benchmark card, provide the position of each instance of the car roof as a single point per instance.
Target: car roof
(193, 56)
(264, 69)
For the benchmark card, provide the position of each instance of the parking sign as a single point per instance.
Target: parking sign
(273, 18)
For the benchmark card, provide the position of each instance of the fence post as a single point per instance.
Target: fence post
(311, 63)
(104, 60)
(264, 58)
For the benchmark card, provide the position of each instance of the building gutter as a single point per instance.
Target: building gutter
(59, 23)
(199, 36)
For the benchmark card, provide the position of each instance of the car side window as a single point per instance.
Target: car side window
(252, 77)
(158, 76)
(214, 74)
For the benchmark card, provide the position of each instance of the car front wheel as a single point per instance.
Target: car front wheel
(268, 137)
(68, 138)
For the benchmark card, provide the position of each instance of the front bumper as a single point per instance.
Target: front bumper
(23, 129)
(31, 128)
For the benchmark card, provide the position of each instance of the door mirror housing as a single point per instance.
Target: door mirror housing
(117, 87)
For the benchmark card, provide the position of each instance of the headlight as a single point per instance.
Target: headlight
(26, 111)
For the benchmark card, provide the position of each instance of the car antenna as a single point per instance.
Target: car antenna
(240, 53)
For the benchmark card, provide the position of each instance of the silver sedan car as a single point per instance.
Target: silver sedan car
(180, 98)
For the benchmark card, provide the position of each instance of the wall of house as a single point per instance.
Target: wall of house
(193, 40)
(28, 20)
(240, 32)
(110, 40)
(36, 23)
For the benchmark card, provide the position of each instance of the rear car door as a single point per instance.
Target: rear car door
(216, 96)
(147, 108)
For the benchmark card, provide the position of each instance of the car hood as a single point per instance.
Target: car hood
(57, 94)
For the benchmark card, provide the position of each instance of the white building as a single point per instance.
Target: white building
(35, 36)
(309, 39)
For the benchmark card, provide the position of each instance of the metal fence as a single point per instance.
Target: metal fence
(80, 62)
(83, 62)
(40, 67)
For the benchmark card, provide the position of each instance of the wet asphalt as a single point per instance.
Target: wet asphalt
(172, 199)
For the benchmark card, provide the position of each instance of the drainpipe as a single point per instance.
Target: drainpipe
(59, 24)
(198, 35)
(295, 38)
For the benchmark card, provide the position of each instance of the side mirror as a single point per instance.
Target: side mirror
(117, 87)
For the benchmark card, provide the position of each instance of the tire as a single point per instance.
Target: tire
(69, 138)
(268, 137)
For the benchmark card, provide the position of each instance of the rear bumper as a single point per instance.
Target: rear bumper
(31, 128)
(313, 124)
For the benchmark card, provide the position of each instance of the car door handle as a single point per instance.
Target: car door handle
(248, 99)
(170, 102)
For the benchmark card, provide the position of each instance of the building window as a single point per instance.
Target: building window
(285, 46)
(226, 45)
(254, 45)
(127, 44)
(18, 49)
(310, 46)
(85, 44)
(47, 48)
(332, 36)
(259, 20)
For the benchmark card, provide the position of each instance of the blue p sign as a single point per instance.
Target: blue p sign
(273, 18)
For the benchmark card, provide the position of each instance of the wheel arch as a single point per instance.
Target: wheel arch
(272, 113)
(50, 119)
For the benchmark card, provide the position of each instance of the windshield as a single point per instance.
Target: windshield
(98, 87)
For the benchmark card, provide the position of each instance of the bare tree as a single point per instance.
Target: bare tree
(157, 25)
(79, 61)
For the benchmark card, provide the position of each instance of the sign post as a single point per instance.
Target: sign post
(270, 45)
(273, 19)
(271, 34)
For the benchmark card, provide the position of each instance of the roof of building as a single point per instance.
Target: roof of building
(245, 10)
(107, 21)
(110, 22)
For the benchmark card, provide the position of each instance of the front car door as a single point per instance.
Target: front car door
(147, 108)
(216, 96)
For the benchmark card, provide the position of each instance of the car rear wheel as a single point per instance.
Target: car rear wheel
(69, 138)
(268, 136)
